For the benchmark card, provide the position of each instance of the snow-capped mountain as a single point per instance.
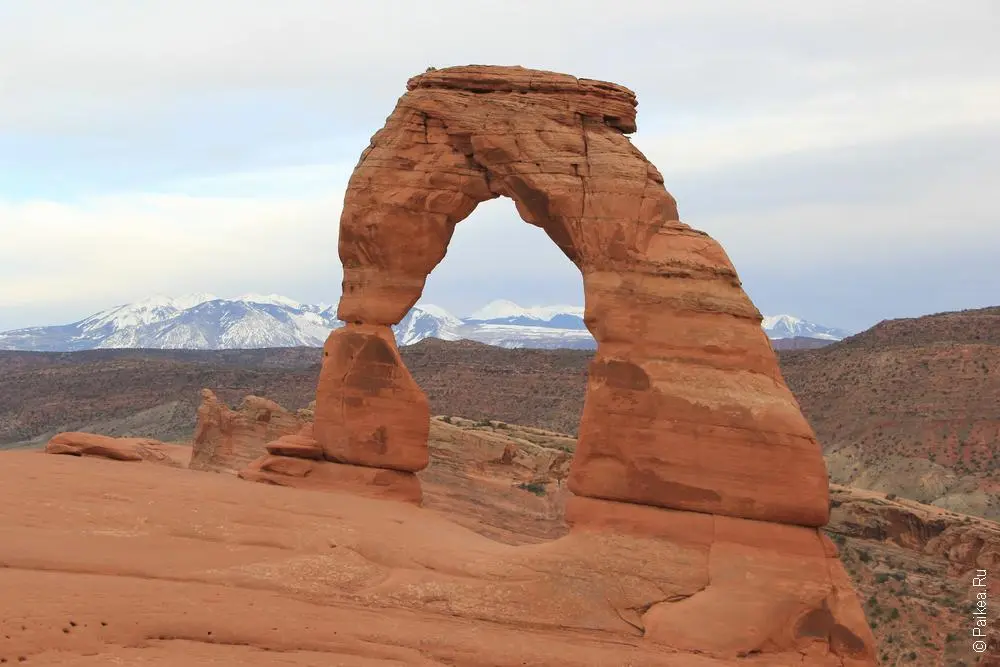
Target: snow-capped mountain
(428, 321)
(789, 326)
(204, 321)
(194, 321)
(507, 312)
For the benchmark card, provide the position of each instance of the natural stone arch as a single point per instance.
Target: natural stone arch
(686, 407)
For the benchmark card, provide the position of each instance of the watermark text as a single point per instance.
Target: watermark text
(979, 611)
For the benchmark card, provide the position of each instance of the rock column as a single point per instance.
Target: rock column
(369, 409)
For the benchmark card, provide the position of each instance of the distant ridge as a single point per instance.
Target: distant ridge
(204, 321)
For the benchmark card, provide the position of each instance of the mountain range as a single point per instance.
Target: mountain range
(252, 321)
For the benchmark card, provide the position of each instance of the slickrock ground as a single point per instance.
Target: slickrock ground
(96, 529)
(112, 562)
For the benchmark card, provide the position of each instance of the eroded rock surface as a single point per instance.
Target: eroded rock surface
(253, 573)
(227, 440)
(797, 599)
(300, 446)
(369, 410)
(916, 566)
(686, 407)
(303, 473)
(116, 449)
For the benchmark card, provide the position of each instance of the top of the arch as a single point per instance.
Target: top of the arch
(615, 105)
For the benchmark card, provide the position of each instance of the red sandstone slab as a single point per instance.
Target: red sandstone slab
(328, 476)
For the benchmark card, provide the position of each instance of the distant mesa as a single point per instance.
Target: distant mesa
(204, 321)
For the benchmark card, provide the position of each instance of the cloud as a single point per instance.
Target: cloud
(831, 121)
(187, 146)
(99, 251)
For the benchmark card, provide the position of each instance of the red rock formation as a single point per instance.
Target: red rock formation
(798, 596)
(228, 440)
(369, 410)
(116, 449)
(283, 575)
(297, 446)
(966, 543)
(686, 406)
(326, 476)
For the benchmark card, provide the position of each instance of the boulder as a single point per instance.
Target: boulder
(117, 449)
(334, 477)
(296, 446)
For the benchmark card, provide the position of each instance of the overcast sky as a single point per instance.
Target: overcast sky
(846, 154)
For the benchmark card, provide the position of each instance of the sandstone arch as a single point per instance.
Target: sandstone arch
(686, 408)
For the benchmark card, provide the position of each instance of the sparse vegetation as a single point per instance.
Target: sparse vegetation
(536, 488)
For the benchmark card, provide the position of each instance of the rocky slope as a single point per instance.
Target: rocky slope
(912, 407)
(139, 392)
(917, 567)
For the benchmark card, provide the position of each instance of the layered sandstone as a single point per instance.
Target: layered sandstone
(369, 410)
(914, 566)
(297, 460)
(308, 473)
(117, 449)
(227, 440)
(299, 445)
(798, 598)
(686, 407)
(250, 573)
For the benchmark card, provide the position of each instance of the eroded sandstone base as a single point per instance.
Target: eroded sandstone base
(762, 587)
(369, 409)
(315, 475)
